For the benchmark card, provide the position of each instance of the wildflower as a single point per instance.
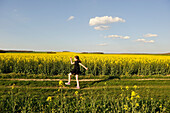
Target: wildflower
(105, 83)
(60, 83)
(151, 98)
(160, 106)
(127, 98)
(125, 107)
(13, 86)
(76, 92)
(137, 96)
(131, 98)
(49, 99)
(121, 87)
(81, 98)
(53, 110)
(133, 93)
(127, 87)
(137, 104)
(135, 86)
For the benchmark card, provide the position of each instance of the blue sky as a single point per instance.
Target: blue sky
(86, 25)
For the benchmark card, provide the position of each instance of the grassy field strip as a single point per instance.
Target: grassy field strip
(99, 87)
(82, 79)
(51, 79)
(148, 79)
(79, 80)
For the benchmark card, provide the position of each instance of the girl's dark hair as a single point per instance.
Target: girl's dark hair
(77, 57)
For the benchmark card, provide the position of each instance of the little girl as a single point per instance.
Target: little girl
(76, 70)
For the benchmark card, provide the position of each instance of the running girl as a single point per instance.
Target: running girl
(76, 70)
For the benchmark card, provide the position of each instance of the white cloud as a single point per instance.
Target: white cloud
(150, 35)
(70, 18)
(103, 44)
(117, 36)
(101, 27)
(145, 41)
(104, 20)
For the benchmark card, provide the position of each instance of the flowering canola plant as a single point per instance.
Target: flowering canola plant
(98, 64)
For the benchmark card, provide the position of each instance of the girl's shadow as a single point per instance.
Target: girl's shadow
(109, 78)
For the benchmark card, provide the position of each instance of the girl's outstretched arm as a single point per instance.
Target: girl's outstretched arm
(71, 61)
(83, 66)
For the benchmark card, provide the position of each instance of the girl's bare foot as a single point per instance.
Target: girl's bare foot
(67, 83)
(77, 87)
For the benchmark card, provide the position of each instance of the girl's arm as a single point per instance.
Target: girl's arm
(71, 61)
(83, 66)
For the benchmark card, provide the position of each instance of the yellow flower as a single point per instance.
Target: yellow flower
(127, 98)
(160, 106)
(121, 87)
(151, 98)
(137, 96)
(76, 92)
(133, 93)
(60, 83)
(81, 98)
(135, 86)
(131, 98)
(127, 87)
(13, 86)
(137, 104)
(125, 107)
(49, 99)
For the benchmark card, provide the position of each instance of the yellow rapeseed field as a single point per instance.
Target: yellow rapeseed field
(98, 64)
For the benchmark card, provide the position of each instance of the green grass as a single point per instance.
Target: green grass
(125, 82)
(111, 82)
(96, 96)
(43, 76)
(105, 91)
(156, 87)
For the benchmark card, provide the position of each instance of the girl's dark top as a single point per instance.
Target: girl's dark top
(76, 69)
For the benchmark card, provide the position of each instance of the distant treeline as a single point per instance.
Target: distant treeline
(92, 52)
(15, 51)
(25, 51)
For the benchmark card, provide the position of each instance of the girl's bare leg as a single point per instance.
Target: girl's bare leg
(77, 81)
(69, 79)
